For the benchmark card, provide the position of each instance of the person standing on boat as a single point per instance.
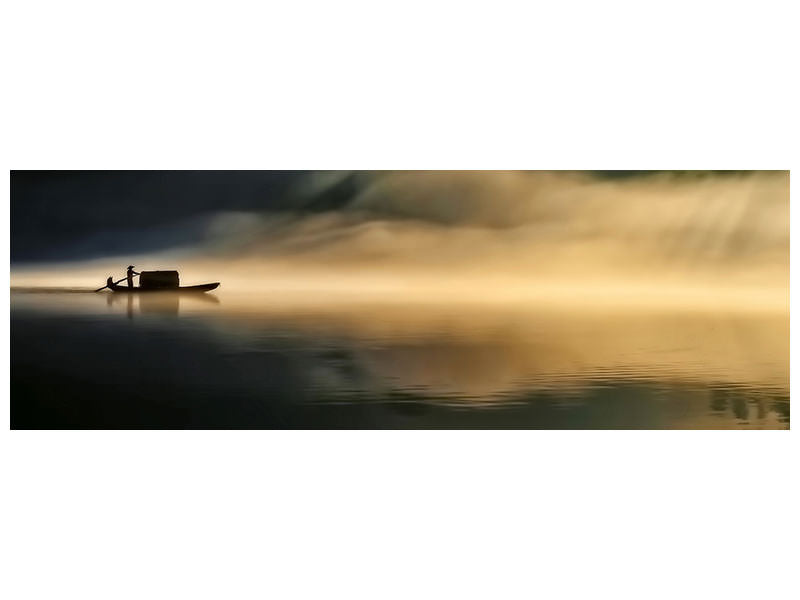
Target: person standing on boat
(131, 273)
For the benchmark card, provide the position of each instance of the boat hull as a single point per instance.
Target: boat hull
(206, 287)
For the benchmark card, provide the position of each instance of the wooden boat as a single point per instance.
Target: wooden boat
(206, 287)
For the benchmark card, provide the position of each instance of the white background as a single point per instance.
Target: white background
(373, 514)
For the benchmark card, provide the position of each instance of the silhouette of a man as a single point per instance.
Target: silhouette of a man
(131, 273)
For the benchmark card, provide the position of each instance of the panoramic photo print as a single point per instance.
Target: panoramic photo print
(399, 299)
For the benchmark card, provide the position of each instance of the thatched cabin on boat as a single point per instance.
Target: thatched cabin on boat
(159, 280)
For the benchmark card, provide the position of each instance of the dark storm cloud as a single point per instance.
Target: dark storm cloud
(61, 215)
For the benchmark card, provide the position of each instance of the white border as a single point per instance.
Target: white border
(315, 85)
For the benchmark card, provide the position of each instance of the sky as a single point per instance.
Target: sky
(417, 233)
(67, 215)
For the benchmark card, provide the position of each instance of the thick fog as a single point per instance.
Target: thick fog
(706, 238)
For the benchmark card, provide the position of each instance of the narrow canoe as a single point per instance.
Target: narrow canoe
(206, 287)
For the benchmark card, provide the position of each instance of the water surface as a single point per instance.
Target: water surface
(84, 360)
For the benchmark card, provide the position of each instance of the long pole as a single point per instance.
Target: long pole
(115, 283)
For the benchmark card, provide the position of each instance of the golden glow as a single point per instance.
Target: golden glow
(500, 237)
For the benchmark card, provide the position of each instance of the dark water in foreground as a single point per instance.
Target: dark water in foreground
(82, 360)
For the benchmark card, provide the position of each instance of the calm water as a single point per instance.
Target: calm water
(83, 360)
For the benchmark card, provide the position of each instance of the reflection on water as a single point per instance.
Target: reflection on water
(156, 302)
(205, 360)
